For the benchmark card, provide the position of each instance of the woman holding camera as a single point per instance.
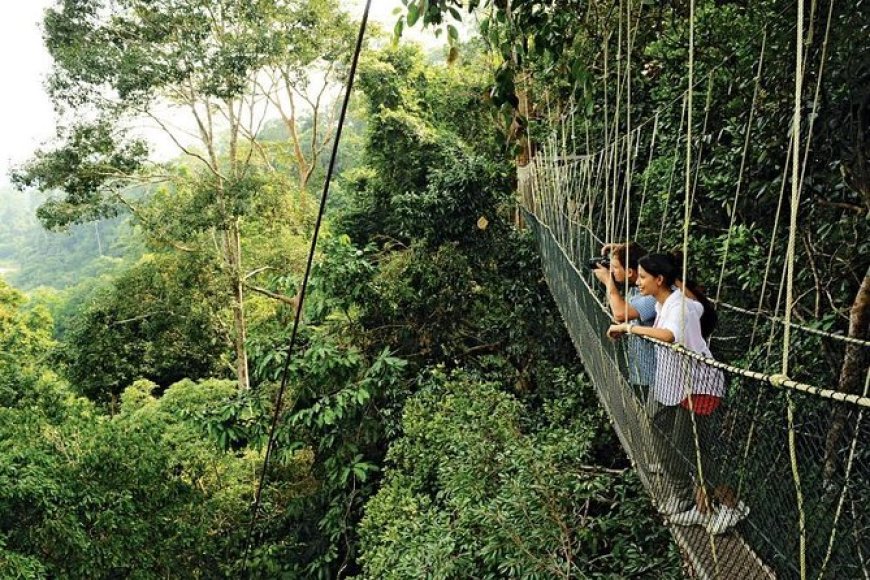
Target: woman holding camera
(618, 268)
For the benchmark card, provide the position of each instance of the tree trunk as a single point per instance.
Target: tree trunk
(234, 259)
(99, 240)
(852, 372)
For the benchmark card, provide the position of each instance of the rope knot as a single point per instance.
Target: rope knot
(778, 380)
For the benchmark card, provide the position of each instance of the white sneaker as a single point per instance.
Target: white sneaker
(674, 505)
(691, 517)
(726, 517)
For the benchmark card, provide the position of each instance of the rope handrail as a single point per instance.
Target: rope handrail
(746, 441)
(776, 380)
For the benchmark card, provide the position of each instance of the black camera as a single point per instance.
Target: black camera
(599, 262)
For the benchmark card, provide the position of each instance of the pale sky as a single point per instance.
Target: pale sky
(26, 115)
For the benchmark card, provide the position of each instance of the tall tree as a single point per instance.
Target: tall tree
(207, 73)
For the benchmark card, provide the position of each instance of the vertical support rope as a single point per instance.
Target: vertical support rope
(605, 152)
(687, 176)
(690, 182)
(672, 176)
(849, 464)
(630, 156)
(707, 100)
(789, 291)
(628, 182)
(652, 148)
(818, 90)
(742, 164)
(687, 216)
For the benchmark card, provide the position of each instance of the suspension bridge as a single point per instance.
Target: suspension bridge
(790, 441)
(793, 449)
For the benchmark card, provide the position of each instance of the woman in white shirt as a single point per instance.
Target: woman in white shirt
(685, 391)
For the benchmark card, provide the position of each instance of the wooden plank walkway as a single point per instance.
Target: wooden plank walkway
(723, 557)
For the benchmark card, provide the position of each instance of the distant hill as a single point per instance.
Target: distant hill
(31, 256)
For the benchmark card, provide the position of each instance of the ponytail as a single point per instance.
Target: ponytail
(709, 318)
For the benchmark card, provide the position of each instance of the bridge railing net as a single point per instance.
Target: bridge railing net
(744, 446)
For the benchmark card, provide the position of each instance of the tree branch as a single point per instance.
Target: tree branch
(159, 234)
(253, 273)
(291, 300)
(841, 205)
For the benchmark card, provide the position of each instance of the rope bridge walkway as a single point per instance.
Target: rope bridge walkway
(792, 456)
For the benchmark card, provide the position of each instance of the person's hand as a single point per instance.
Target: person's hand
(605, 249)
(603, 274)
(614, 331)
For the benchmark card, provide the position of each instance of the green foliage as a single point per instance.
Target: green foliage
(469, 493)
(341, 413)
(157, 321)
(436, 286)
(343, 404)
(343, 279)
(487, 469)
(141, 494)
(83, 168)
(174, 43)
(433, 155)
(25, 340)
(123, 61)
(36, 257)
(439, 208)
(116, 62)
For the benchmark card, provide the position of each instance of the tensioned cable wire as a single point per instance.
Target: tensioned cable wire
(801, 327)
(697, 176)
(279, 400)
(812, 117)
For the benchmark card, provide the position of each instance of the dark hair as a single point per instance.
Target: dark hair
(662, 265)
(670, 267)
(709, 318)
(628, 254)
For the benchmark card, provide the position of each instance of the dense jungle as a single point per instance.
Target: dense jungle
(432, 419)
